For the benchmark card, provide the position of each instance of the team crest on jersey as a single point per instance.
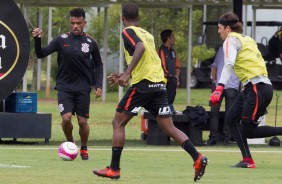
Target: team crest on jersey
(85, 47)
(89, 40)
(64, 36)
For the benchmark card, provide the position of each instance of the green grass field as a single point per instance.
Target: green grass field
(141, 163)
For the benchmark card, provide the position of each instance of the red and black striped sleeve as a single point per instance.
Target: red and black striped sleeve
(130, 39)
(163, 60)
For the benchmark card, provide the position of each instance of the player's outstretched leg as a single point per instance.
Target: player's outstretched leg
(200, 166)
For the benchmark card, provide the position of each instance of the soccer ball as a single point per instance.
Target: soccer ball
(67, 151)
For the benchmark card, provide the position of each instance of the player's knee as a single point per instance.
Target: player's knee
(66, 121)
(82, 124)
(66, 118)
(118, 123)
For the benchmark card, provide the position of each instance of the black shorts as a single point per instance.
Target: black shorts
(151, 96)
(76, 102)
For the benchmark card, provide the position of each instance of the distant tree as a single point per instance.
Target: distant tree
(153, 20)
(96, 27)
(200, 53)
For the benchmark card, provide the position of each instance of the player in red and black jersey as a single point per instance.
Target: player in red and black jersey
(170, 64)
(78, 58)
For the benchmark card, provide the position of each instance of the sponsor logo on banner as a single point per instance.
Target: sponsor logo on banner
(8, 61)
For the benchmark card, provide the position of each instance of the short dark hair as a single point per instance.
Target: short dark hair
(130, 11)
(165, 34)
(231, 19)
(77, 12)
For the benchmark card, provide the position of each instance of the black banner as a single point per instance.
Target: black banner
(14, 47)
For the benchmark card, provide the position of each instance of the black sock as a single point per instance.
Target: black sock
(116, 154)
(190, 148)
(83, 148)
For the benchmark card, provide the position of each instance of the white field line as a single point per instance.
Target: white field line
(13, 166)
(144, 149)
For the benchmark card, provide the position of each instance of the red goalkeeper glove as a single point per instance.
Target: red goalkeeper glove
(215, 96)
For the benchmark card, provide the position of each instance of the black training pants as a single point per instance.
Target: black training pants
(242, 117)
